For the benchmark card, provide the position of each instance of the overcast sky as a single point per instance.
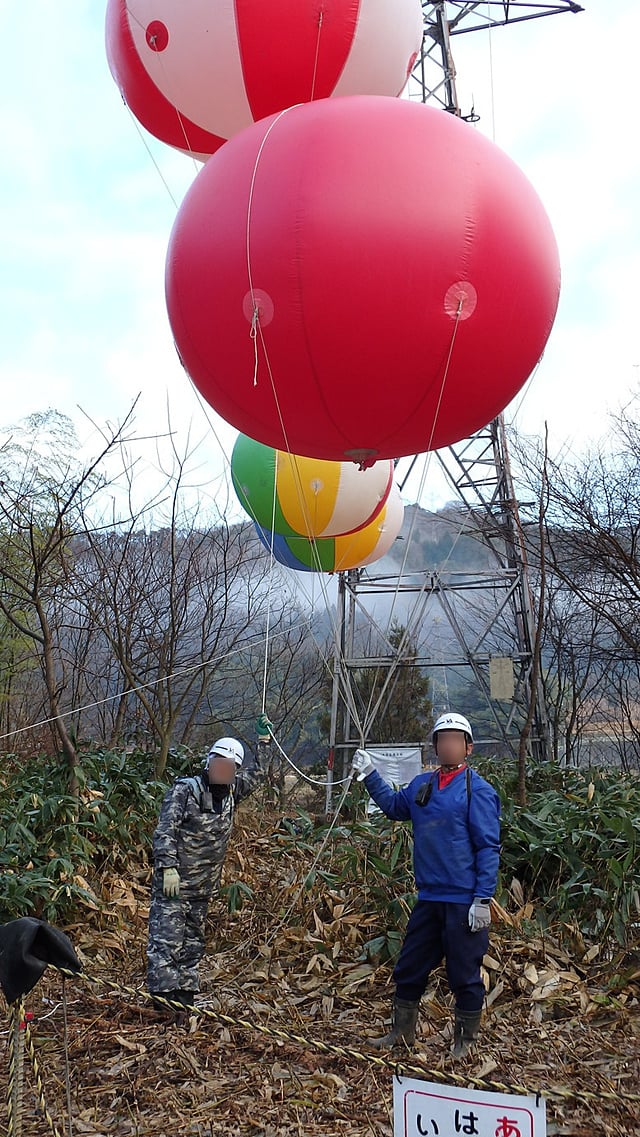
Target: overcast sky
(86, 216)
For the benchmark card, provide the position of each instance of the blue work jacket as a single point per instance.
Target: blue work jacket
(456, 835)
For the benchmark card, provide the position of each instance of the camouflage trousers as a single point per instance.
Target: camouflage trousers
(176, 940)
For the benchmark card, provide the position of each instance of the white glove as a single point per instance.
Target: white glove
(362, 764)
(171, 882)
(479, 914)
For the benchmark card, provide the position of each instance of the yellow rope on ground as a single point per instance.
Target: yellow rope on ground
(16, 1069)
(21, 1039)
(397, 1066)
(35, 1065)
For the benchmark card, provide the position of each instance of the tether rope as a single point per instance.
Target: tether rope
(257, 335)
(170, 98)
(269, 595)
(370, 717)
(418, 1068)
(227, 654)
(312, 781)
(317, 55)
(151, 154)
(21, 1041)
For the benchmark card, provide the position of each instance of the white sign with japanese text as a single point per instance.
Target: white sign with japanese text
(425, 1109)
(398, 765)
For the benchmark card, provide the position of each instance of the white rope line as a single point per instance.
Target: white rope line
(346, 689)
(420, 599)
(433, 430)
(269, 593)
(415, 616)
(290, 576)
(428, 458)
(255, 315)
(348, 693)
(425, 594)
(170, 96)
(145, 686)
(257, 332)
(283, 920)
(312, 781)
(150, 153)
(525, 391)
(493, 101)
(421, 485)
(315, 62)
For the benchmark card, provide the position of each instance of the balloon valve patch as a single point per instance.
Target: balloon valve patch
(460, 300)
(258, 309)
(157, 35)
(363, 459)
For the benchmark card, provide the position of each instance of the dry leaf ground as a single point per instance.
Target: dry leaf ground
(561, 1016)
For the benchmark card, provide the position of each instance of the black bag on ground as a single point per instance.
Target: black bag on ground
(27, 946)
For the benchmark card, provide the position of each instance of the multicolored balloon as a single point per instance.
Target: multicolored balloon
(306, 497)
(338, 554)
(361, 278)
(195, 72)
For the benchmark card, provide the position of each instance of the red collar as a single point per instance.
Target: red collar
(446, 776)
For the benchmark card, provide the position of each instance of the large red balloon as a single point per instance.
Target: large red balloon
(362, 277)
(195, 72)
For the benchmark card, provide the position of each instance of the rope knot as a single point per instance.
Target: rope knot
(253, 334)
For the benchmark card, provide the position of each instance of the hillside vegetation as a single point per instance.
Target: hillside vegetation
(302, 941)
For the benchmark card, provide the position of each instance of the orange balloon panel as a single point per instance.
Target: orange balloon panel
(337, 554)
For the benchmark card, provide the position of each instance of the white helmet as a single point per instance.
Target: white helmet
(452, 721)
(228, 748)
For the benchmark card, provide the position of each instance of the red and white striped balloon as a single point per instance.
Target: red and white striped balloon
(195, 72)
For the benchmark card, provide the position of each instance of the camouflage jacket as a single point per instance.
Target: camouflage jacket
(193, 830)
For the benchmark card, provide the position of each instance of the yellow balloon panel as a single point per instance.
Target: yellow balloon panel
(328, 499)
(354, 550)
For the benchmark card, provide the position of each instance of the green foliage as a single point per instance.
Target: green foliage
(52, 844)
(575, 848)
(236, 894)
(405, 711)
(375, 856)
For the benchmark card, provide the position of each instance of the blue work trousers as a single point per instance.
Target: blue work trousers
(438, 930)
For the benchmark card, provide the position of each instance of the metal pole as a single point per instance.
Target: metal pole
(442, 33)
(338, 655)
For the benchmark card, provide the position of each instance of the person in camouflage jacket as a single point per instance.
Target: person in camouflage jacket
(189, 846)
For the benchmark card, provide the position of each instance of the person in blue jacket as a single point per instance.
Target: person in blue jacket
(455, 816)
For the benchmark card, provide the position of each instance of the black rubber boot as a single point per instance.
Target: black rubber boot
(158, 999)
(403, 1026)
(465, 1032)
(188, 999)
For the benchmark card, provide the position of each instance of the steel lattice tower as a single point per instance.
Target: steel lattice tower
(478, 472)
